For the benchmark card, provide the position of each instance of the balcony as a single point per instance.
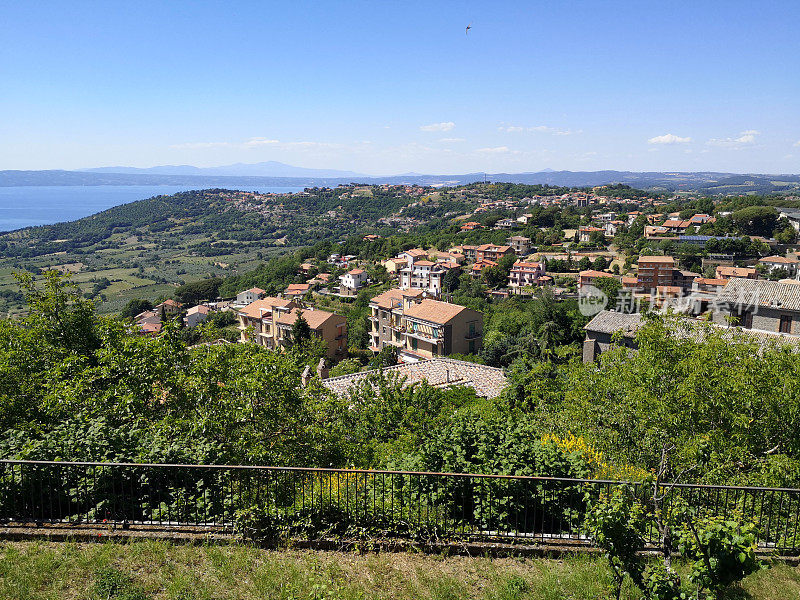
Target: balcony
(425, 338)
(473, 335)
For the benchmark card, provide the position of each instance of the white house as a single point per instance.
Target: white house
(196, 315)
(249, 296)
(780, 262)
(352, 280)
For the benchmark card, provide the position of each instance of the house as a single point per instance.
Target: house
(296, 291)
(525, 219)
(169, 307)
(386, 315)
(525, 274)
(654, 271)
(468, 251)
(393, 265)
(488, 382)
(520, 244)
(352, 281)
(630, 282)
(505, 224)
(700, 219)
(426, 275)
(433, 328)
(585, 233)
(655, 231)
(600, 332)
(589, 276)
(479, 266)
(612, 227)
(371, 237)
(676, 225)
(256, 320)
(330, 327)
(471, 226)
(196, 315)
(306, 268)
(726, 272)
(413, 255)
(792, 215)
(492, 252)
(773, 263)
(772, 306)
(684, 279)
(248, 296)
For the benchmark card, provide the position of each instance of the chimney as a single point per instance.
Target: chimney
(322, 371)
(306, 376)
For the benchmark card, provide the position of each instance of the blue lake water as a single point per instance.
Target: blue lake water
(24, 206)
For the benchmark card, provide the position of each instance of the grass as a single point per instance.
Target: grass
(160, 570)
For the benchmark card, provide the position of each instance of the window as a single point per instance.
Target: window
(785, 324)
(472, 346)
(413, 343)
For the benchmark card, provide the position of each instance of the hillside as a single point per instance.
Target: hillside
(146, 248)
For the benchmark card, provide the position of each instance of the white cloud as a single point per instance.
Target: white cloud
(496, 150)
(669, 138)
(745, 138)
(201, 145)
(450, 140)
(537, 129)
(443, 126)
(797, 144)
(259, 141)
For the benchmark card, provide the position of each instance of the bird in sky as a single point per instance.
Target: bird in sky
(466, 31)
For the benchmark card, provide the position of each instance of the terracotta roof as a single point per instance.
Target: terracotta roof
(592, 274)
(314, 318)
(265, 305)
(710, 281)
(256, 290)
(434, 311)
(202, 309)
(415, 252)
(356, 272)
(297, 287)
(779, 259)
(423, 263)
(170, 302)
(487, 382)
(735, 271)
(391, 298)
(657, 259)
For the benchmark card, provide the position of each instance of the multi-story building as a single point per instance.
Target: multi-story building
(589, 276)
(352, 281)
(773, 263)
(260, 316)
(386, 316)
(655, 271)
(492, 252)
(524, 274)
(520, 244)
(425, 275)
(330, 327)
(423, 328)
(467, 250)
(585, 233)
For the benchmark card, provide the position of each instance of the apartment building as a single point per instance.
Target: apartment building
(246, 297)
(332, 328)
(386, 316)
(520, 244)
(259, 316)
(524, 274)
(655, 271)
(726, 272)
(425, 275)
(492, 252)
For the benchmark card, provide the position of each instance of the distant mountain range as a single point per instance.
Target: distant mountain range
(263, 169)
(273, 173)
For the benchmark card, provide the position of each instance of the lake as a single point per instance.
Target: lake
(24, 206)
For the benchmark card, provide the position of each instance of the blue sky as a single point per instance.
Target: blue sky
(391, 87)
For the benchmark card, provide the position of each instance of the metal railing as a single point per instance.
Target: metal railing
(334, 503)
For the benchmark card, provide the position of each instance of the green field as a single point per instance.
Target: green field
(160, 570)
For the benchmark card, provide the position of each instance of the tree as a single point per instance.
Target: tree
(136, 306)
(300, 331)
(494, 276)
(756, 220)
(198, 291)
(584, 263)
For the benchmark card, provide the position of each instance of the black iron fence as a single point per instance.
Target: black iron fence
(336, 503)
